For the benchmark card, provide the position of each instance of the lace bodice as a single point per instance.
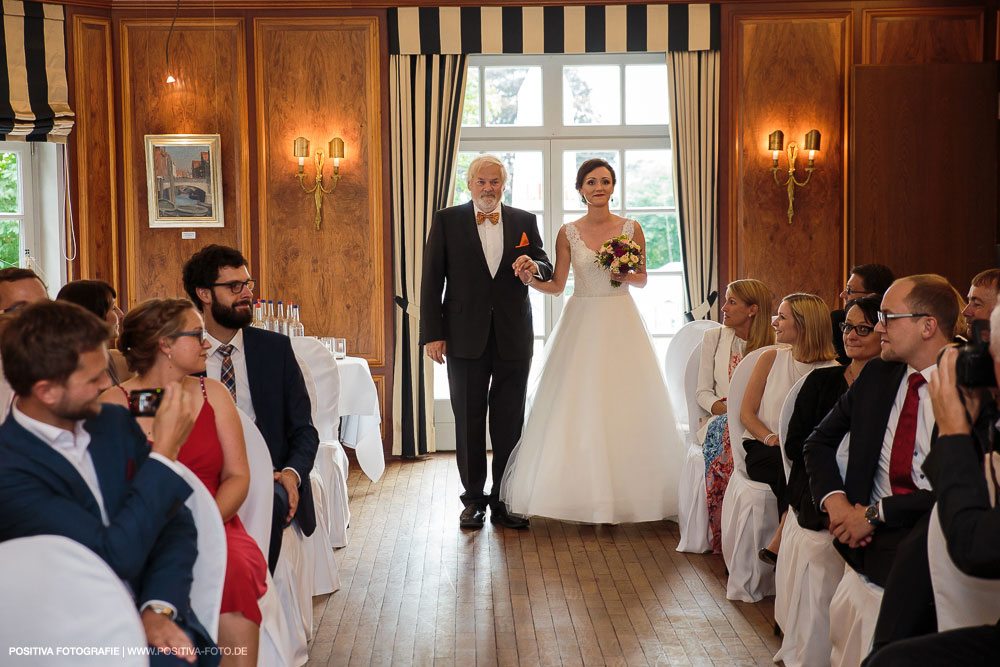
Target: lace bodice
(589, 279)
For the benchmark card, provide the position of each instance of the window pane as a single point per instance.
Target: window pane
(525, 180)
(648, 179)
(10, 190)
(663, 240)
(462, 194)
(513, 96)
(470, 112)
(10, 242)
(646, 95)
(661, 303)
(571, 163)
(592, 95)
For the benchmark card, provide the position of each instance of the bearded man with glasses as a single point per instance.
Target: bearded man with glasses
(261, 372)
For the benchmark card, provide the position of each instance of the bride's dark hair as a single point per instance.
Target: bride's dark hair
(589, 166)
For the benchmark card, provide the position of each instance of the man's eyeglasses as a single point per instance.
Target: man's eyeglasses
(200, 334)
(852, 292)
(884, 317)
(862, 329)
(236, 286)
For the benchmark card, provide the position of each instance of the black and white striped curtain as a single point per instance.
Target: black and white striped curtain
(575, 29)
(425, 98)
(34, 96)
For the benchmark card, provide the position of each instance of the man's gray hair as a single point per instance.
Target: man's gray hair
(480, 162)
(995, 332)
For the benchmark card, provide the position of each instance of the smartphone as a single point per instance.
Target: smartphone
(144, 402)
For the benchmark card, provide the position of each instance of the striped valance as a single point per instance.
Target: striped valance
(34, 96)
(585, 29)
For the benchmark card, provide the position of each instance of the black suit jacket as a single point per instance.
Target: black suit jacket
(473, 299)
(284, 413)
(864, 412)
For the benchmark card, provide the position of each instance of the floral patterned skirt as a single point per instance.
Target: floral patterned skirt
(718, 469)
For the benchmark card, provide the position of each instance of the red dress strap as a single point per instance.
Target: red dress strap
(203, 392)
(123, 391)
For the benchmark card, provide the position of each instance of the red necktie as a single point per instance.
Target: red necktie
(901, 457)
(483, 217)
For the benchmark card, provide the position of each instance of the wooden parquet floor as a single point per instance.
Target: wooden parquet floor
(416, 590)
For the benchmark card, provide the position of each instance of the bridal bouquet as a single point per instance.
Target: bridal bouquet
(619, 255)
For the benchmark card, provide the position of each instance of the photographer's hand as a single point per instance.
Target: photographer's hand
(949, 412)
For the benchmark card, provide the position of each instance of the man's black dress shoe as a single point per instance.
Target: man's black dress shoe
(501, 517)
(472, 517)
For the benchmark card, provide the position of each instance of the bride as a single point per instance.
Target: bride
(600, 444)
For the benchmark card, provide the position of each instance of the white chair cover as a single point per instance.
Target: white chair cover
(692, 500)
(787, 408)
(210, 566)
(326, 576)
(853, 612)
(749, 510)
(675, 367)
(277, 641)
(293, 583)
(256, 510)
(961, 600)
(58, 593)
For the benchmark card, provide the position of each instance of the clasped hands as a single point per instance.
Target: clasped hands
(525, 268)
(848, 524)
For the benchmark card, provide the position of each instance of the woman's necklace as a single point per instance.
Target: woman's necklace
(849, 375)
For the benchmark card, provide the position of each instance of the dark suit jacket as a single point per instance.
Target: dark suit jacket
(971, 527)
(864, 411)
(151, 541)
(284, 413)
(473, 299)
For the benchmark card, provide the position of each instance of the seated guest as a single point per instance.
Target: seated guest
(164, 341)
(802, 325)
(819, 394)
(885, 492)
(746, 328)
(72, 467)
(982, 298)
(100, 298)
(863, 280)
(263, 377)
(968, 513)
(18, 288)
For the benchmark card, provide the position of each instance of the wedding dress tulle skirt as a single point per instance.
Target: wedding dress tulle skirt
(600, 443)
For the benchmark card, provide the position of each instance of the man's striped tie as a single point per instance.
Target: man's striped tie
(228, 375)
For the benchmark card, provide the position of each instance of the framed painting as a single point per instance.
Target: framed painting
(184, 180)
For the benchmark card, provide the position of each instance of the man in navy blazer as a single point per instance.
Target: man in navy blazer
(264, 378)
(71, 466)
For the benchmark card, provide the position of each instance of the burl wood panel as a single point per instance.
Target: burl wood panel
(209, 97)
(96, 210)
(924, 36)
(792, 76)
(924, 170)
(319, 78)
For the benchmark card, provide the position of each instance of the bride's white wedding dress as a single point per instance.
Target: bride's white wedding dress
(600, 443)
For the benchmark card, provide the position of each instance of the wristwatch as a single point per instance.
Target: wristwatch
(871, 514)
(160, 608)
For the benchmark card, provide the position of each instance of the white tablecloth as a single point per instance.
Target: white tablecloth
(360, 416)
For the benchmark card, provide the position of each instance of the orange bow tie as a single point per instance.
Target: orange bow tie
(492, 217)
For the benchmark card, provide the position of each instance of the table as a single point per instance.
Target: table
(360, 416)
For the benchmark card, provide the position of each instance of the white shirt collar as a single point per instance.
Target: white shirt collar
(910, 370)
(75, 441)
(236, 342)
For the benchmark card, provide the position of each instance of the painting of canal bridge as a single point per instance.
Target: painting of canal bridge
(184, 180)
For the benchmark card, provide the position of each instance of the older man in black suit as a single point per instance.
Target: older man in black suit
(483, 255)
(261, 372)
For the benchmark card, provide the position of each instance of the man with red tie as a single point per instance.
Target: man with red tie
(482, 255)
(884, 492)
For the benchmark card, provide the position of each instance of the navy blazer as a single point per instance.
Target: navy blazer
(473, 299)
(151, 541)
(283, 411)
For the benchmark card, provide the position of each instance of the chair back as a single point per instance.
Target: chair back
(256, 510)
(959, 599)
(687, 338)
(695, 412)
(209, 570)
(737, 388)
(57, 592)
(326, 378)
(787, 408)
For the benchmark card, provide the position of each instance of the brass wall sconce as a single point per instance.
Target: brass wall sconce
(775, 143)
(336, 151)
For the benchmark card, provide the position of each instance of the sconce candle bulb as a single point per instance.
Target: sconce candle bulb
(170, 78)
(775, 143)
(301, 151)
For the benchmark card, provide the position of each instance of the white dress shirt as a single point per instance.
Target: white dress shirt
(491, 236)
(213, 368)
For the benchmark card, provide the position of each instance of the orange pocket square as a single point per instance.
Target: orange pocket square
(524, 241)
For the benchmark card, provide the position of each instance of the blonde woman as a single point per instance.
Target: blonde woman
(745, 329)
(803, 325)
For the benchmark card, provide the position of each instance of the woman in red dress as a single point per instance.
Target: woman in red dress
(164, 341)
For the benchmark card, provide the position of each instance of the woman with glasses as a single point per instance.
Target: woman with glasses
(164, 341)
(100, 298)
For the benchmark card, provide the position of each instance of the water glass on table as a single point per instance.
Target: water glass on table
(339, 348)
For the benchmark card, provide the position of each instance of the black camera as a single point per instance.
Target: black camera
(974, 365)
(144, 402)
